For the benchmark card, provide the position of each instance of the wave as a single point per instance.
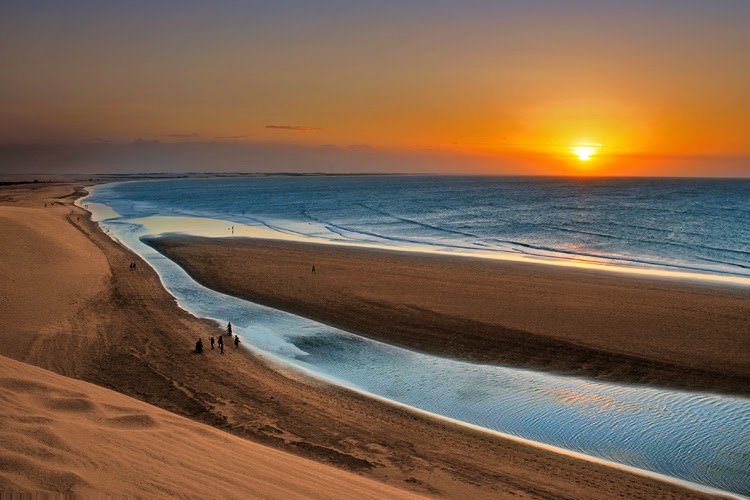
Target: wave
(345, 232)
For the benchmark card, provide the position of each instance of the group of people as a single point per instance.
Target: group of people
(133, 266)
(212, 340)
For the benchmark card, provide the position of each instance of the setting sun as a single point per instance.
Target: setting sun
(584, 153)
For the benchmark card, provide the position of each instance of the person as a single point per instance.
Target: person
(229, 328)
(313, 270)
(221, 344)
(236, 342)
(212, 342)
(199, 346)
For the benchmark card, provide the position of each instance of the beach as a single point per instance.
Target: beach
(71, 304)
(590, 323)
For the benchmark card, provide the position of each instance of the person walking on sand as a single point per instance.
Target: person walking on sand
(212, 342)
(229, 328)
(221, 344)
(313, 270)
(236, 342)
(199, 346)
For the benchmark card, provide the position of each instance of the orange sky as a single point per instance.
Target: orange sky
(646, 84)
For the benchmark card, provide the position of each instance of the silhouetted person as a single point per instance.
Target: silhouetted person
(199, 346)
(236, 342)
(221, 344)
(313, 270)
(229, 328)
(212, 342)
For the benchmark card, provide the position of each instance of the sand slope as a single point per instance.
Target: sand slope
(50, 272)
(67, 436)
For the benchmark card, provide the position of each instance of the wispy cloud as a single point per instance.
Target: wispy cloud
(298, 128)
(183, 136)
(230, 137)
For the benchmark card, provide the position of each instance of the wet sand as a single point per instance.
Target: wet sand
(69, 303)
(589, 323)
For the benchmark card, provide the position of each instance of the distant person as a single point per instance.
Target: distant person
(236, 342)
(221, 344)
(199, 346)
(212, 342)
(313, 270)
(229, 328)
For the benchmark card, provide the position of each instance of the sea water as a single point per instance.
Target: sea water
(696, 437)
(693, 225)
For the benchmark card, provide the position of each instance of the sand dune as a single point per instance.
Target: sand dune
(61, 435)
(42, 295)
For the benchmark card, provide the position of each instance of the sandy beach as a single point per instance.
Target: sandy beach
(589, 323)
(70, 304)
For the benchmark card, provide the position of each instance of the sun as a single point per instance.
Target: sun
(584, 153)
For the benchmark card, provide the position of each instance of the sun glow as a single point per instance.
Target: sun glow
(584, 153)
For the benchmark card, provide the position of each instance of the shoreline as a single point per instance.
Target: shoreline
(634, 331)
(632, 267)
(136, 340)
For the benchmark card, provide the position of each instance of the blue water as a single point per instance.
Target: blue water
(697, 225)
(696, 437)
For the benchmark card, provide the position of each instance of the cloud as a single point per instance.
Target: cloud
(230, 137)
(299, 128)
(183, 136)
(140, 142)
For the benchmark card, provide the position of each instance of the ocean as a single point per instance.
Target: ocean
(692, 228)
(685, 225)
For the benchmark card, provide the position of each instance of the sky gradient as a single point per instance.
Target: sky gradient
(657, 88)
